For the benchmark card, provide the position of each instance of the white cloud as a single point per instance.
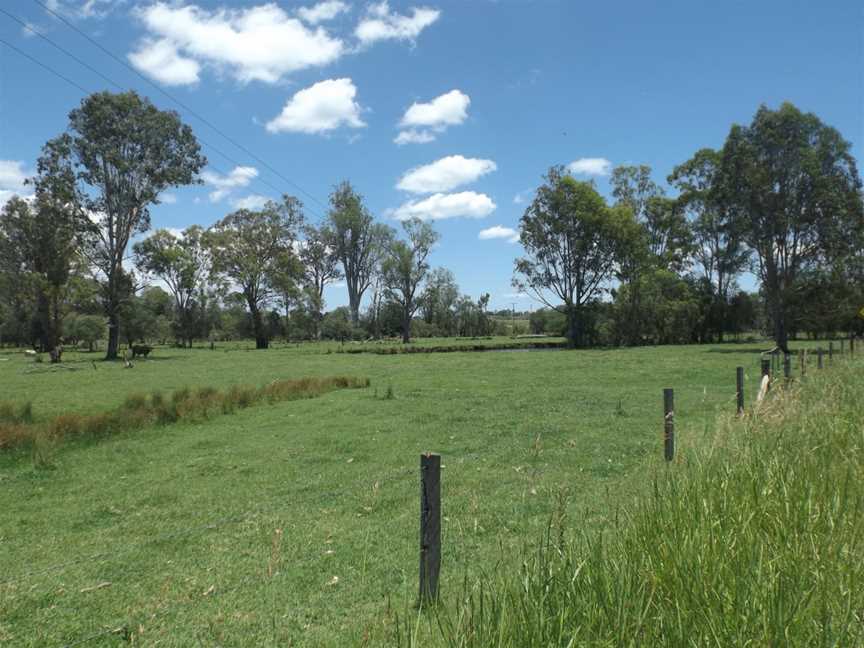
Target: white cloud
(239, 176)
(252, 201)
(382, 24)
(322, 11)
(261, 43)
(168, 198)
(160, 60)
(591, 166)
(322, 107)
(521, 197)
(12, 177)
(499, 232)
(84, 8)
(440, 206)
(412, 136)
(448, 109)
(445, 174)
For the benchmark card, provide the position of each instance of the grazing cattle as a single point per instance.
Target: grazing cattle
(140, 350)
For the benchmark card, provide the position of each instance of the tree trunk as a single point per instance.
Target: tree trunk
(572, 327)
(406, 326)
(113, 336)
(261, 341)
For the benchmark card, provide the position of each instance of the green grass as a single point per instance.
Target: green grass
(296, 523)
(753, 536)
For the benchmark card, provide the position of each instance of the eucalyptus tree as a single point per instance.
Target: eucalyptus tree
(574, 243)
(182, 263)
(320, 267)
(793, 189)
(718, 244)
(404, 268)
(358, 242)
(43, 236)
(254, 250)
(126, 152)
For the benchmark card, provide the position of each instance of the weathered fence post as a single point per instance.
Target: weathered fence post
(830, 352)
(739, 383)
(803, 356)
(787, 367)
(766, 370)
(819, 353)
(852, 344)
(430, 526)
(669, 424)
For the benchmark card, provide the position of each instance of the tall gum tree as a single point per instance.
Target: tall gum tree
(126, 152)
(574, 243)
(793, 188)
(358, 242)
(404, 268)
(252, 250)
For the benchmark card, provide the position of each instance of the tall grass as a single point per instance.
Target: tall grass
(753, 537)
(139, 410)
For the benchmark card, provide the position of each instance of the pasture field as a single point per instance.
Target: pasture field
(296, 523)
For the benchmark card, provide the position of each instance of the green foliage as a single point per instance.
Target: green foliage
(126, 152)
(404, 267)
(574, 244)
(793, 188)
(254, 250)
(358, 242)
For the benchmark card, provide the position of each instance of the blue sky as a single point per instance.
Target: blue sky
(451, 110)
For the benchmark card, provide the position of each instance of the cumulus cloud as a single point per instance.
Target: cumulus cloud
(499, 232)
(522, 197)
(591, 166)
(322, 11)
(168, 198)
(160, 60)
(261, 43)
(446, 205)
(322, 107)
(12, 177)
(252, 201)
(423, 120)
(380, 23)
(240, 176)
(445, 174)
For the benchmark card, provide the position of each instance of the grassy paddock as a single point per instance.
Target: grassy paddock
(754, 536)
(296, 523)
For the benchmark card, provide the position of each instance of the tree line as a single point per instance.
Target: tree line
(781, 199)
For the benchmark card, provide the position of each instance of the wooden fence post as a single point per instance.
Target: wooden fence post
(787, 367)
(739, 384)
(766, 370)
(430, 526)
(669, 424)
(819, 353)
(852, 344)
(830, 352)
(803, 356)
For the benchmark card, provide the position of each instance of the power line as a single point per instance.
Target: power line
(177, 101)
(41, 64)
(117, 85)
